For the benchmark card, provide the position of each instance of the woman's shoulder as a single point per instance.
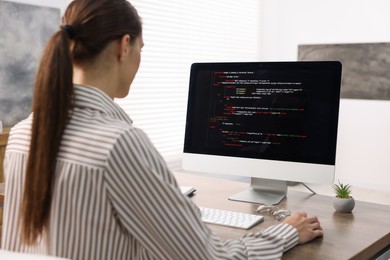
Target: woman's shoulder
(23, 127)
(19, 136)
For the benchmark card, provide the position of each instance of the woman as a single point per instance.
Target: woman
(83, 183)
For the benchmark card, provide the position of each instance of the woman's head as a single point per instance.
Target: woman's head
(93, 27)
(94, 24)
(89, 28)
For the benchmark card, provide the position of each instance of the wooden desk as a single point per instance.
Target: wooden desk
(360, 235)
(3, 144)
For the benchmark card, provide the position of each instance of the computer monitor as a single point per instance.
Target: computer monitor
(272, 121)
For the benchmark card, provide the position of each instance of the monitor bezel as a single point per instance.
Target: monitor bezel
(264, 168)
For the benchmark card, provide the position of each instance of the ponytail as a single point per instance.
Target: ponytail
(52, 103)
(89, 26)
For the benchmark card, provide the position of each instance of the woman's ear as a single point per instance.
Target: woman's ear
(123, 48)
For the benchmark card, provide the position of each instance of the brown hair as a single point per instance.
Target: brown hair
(87, 28)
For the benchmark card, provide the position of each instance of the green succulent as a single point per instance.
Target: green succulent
(342, 190)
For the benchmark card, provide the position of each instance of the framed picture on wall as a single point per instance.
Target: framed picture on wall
(366, 73)
(25, 30)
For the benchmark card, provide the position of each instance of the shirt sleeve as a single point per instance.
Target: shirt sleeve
(166, 223)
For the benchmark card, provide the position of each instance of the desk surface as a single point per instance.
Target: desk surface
(358, 235)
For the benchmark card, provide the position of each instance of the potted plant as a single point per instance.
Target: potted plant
(343, 201)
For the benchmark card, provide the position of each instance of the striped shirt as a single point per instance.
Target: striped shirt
(115, 198)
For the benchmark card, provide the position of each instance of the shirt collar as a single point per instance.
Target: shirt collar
(93, 98)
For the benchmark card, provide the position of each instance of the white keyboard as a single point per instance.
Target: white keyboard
(230, 218)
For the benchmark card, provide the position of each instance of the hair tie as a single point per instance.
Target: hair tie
(70, 30)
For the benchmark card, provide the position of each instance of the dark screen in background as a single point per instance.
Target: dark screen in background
(279, 111)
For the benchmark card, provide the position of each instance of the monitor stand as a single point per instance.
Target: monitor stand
(263, 191)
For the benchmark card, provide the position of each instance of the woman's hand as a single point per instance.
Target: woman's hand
(308, 227)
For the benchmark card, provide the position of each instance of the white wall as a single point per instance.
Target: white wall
(364, 125)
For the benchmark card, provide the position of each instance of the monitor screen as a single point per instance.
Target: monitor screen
(269, 120)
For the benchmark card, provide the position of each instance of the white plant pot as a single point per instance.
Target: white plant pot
(343, 205)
